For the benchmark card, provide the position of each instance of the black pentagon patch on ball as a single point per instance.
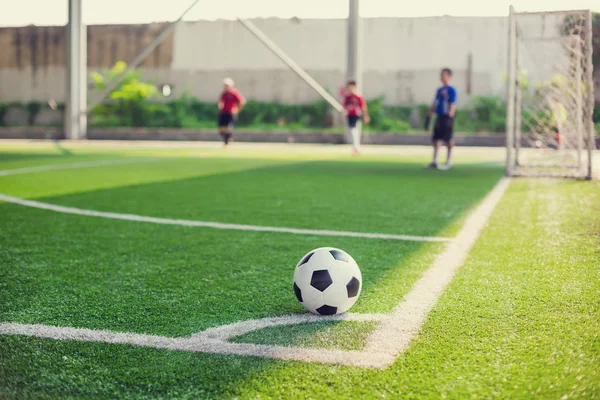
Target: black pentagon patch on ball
(298, 292)
(340, 255)
(306, 258)
(327, 310)
(352, 287)
(321, 280)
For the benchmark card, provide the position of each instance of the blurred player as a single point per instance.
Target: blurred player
(558, 114)
(355, 108)
(231, 103)
(444, 107)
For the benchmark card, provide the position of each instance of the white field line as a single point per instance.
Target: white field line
(214, 340)
(389, 340)
(86, 164)
(216, 225)
(395, 334)
(226, 332)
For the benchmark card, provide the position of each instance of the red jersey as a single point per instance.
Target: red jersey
(230, 99)
(354, 103)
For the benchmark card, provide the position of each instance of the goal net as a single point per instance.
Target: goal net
(550, 129)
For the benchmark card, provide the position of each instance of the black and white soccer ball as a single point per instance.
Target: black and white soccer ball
(327, 281)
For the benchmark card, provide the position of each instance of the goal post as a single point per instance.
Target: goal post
(550, 94)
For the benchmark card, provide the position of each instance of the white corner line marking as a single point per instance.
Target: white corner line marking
(85, 164)
(395, 334)
(216, 225)
(214, 340)
(392, 337)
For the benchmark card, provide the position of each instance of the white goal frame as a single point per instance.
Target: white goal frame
(520, 143)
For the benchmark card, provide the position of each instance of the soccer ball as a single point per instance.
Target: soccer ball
(327, 281)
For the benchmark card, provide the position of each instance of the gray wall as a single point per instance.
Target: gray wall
(402, 58)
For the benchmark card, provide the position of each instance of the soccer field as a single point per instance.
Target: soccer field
(165, 241)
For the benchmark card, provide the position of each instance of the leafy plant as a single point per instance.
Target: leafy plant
(129, 98)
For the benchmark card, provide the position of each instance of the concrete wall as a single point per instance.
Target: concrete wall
(402, 57)
(32, 59)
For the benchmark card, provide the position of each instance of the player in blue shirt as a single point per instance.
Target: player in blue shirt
(444, 106)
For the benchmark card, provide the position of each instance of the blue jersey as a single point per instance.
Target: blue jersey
(444, 96)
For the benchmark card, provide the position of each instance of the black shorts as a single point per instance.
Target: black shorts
(352, 120)
(226, 120)
(443, 129)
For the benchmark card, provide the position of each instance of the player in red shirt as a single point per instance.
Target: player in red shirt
(231, 103)
(355, 108)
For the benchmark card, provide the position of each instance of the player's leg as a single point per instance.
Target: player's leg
(450, 146)
(226, 127)
(435, 140)
(354, 132)
(222, 126)
(227, 137)
(436, 150)
(230, 125)
(448, 138)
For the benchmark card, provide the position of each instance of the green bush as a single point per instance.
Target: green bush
(129, 101)
(308, 115)
(391, 125)
(388, 118)
(401, 112)
(3, 108)
(133, 103)
(32, 108)
(106, 121)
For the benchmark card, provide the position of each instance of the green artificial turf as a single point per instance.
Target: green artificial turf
(520, 320)
(365, 196)
(344, 335)
(70, 270)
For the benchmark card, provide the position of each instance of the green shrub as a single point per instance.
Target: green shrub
(132, 104)
(376, 112)
(400, 112)
(33, 108)
(255, 113)
(128, 101)
(393, 125)
(106, 121)
(3, 108)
